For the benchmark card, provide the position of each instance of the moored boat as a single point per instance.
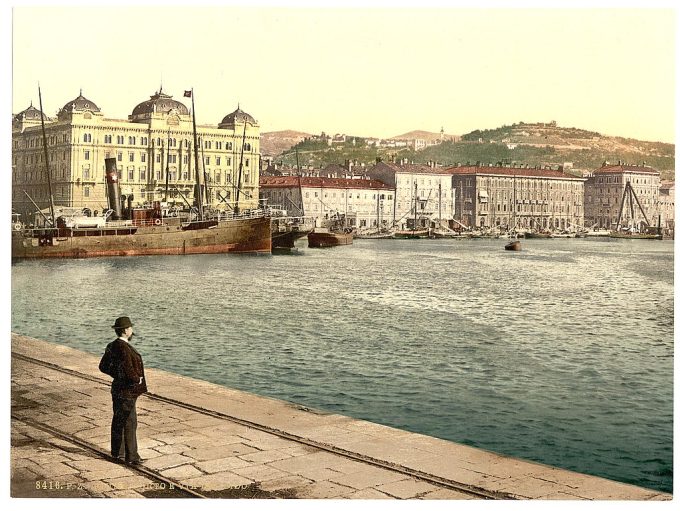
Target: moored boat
(513, 245)
(412, 234)
(324, 238)
(286, 230)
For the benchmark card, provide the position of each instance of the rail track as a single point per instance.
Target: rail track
(474, 491)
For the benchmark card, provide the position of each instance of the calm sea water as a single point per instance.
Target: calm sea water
(561, 353)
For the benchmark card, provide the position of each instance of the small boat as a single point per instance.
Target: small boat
(412, 234)
(286, 230)
(513, 245)
(538, 235)
(324, 238)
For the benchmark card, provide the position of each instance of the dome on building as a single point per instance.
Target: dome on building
(160, 103)
(80, 104)
(237, 116)
(30, 114)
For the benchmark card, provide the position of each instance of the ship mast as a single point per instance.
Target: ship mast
(167, 167)
(302, 204)
(240, 164)
(47, 164)
(199, 198)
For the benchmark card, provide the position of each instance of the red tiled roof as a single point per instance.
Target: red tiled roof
(618, 169)
(510, 171)
(414, 168)
(319, 182)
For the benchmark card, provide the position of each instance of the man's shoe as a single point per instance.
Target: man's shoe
(136, 462)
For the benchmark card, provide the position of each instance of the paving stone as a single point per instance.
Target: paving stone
(182, 472)
(167, 461)
(222, 464)
(265, 456)
(369, 476)
(259, 472)
(447, 494)
(324, 490)
(218, 481)
(407, 489)
(124, 494)
(96, 488)
(171, 449)
(285, 483)
(58, 469)
(367, 494)
(129, 483)
(221, 451)
(92, 465)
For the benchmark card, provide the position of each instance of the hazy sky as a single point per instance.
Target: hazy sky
(377, 72)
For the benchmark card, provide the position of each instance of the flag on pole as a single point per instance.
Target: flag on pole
(187, 93)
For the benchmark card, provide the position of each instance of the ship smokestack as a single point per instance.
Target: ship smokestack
(113, 189)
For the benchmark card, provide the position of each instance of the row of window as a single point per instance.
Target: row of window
(170, 142)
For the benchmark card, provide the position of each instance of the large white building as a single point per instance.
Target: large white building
(155, 142)
(424, 193)
(365, 203)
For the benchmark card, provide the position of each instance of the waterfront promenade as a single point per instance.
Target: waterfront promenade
(205, 440)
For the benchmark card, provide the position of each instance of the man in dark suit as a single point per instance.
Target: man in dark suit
(124, 364)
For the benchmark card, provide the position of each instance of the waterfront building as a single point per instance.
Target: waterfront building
(604, 193)
(517, 197)
(667, 207)
(366, 203)
(424, 193)
(155, 142)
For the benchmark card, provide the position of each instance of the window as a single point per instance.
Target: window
(86, 191)
(247, 146)
(158, 175)
(131, 174)
(87, 155)
(131, 155)
(207, 160)
(120, 139)
(158, 158)
(247, 162)
(132, 140)
(217, 160)
(185, 159)
(108, 139)
(229, 146)
(144, 141)
(218, 145)
(142, 157)
(185, 175)
(87, 137)
(86, 173)
(120, 156)
(142, 174)
(208, 144)
(228, 161)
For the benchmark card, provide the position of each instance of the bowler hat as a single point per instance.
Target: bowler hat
(122, 322)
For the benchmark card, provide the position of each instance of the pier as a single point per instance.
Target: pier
(202, 440)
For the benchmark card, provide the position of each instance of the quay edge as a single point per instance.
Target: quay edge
(181, 456)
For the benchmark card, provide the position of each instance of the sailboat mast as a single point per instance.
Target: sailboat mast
(299, 173)
(199, 199)
(440, 205)
(415, 206)
(47, 163)
(240, 167)
(205, 174)
(167, 167)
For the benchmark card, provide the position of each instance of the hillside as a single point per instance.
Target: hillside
(274, 143)
(425, 135)
(532, 144)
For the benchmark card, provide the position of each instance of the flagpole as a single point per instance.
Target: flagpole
(199, 199)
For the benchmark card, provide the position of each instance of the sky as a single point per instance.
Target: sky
(363, 71)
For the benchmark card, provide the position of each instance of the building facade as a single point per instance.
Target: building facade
(424, 193)
(517, 197)
(154, 150)
(366, 203)
(604, 194)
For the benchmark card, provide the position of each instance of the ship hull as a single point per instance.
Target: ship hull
(251, 235)
(329, 239)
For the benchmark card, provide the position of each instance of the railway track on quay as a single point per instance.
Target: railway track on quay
(167, 483)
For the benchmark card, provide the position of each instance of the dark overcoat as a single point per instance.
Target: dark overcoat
(124, 364)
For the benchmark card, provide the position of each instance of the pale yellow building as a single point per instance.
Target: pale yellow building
(157, 137)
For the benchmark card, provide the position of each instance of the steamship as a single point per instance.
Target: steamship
(141, 231)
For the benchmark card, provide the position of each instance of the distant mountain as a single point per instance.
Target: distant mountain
(274, 143)
(425, 135)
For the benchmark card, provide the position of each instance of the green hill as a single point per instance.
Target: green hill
(526, 143)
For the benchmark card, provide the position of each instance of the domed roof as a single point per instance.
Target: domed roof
(30, 114)
(80, 104)
(160, 103)
(237, 116)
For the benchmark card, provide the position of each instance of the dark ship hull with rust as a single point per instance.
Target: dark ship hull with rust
(161, 237)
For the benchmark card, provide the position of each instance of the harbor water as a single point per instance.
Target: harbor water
(561, 353)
